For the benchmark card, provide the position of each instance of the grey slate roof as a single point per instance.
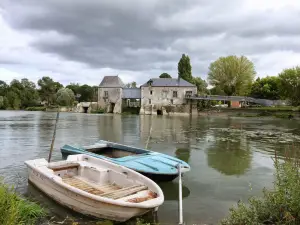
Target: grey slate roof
(132, 93)
(112, 81)
(168, 82)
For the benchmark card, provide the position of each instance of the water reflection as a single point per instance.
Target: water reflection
(171, 190)
(230, 158)
(183, 154)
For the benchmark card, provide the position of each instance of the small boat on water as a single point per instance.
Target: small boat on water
(96, 187)
(157, 166)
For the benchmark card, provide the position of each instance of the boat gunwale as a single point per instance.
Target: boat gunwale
(57, 180)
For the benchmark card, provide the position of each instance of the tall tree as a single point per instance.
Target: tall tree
(65, 97)
(232, 74)
(185, 68)
(29, 95)
(201, 85)
(165, 75)
(266, 88)
(48, 89)
(3, 88)
(289, 80)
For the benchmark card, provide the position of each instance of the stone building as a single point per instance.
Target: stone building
(157, 96)
(110, 94)
(166, 96)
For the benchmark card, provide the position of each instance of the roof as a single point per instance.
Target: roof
(168, 82)
(111, 81)
(132, 93)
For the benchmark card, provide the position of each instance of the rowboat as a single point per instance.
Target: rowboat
(95, 187)
(156, 166)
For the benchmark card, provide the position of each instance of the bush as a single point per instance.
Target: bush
(36, 108)
(98, 111)
(277, 206)
(16, 210)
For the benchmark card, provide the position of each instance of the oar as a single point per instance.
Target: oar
(53, 138)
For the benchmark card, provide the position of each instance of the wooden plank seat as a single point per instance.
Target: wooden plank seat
(123, 192)
(60, 167)
(84, 186)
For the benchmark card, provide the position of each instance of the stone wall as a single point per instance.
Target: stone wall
(114, 98)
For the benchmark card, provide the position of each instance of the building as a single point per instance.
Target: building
(166, 95)
(157, 96)
(110, 94)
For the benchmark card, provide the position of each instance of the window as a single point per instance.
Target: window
(149, 101)
(164, 94)
(105, 93)
(174, 94)
(188, 94)
(151, 92)
(172, 102)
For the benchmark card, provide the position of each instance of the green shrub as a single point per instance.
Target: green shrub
(36, 108)
(277, 206)
(16, 210)
(98, 111)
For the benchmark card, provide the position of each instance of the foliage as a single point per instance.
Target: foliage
(165, 75)
(290, 85)
(16, 210)
(3, 88)
(232, 74)
(36, 108)
(266, 88)
(185, 68)
(131, 85)
(98, 111)
(65, 97)
(3, 102)
(84, 92)
(277, 206)
(13, 100)
(48, 89)
(201, 85)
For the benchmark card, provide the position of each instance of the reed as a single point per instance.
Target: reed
(16, 210)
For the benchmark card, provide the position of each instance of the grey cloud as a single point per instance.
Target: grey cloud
(143, 35)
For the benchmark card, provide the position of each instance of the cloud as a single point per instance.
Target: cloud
(81, 41)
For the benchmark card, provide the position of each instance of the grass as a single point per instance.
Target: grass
(277, 206)
(14, 210)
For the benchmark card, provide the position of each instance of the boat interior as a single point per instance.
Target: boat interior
(113, 152)
(102, 182)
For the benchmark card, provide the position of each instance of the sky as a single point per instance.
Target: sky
(81, 41)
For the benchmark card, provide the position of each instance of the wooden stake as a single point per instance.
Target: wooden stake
(53, 138)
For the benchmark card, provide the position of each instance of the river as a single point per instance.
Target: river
(230, 158)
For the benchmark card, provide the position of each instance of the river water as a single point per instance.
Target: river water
(230, 158)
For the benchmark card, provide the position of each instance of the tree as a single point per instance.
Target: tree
(289, 82)
(266, 88)
(75, 87)
(65, 97)
(165, 75)
(3, 88)
(201, 85)
(131, 85)
(48, 89)
(13, 100)
(29, 95)
(185, 68)
(232, 74)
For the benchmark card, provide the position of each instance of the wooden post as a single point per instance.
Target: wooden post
(180, 196)
(53, 138)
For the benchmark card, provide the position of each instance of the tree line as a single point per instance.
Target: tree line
(22, 94)
(231, 75)
(234, 76)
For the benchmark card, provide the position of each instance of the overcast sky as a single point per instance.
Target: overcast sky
(83, 40)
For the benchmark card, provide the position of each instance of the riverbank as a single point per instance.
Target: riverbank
(14, 209)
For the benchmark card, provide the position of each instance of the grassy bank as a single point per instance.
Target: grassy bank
(14, 210)
(277, 206)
